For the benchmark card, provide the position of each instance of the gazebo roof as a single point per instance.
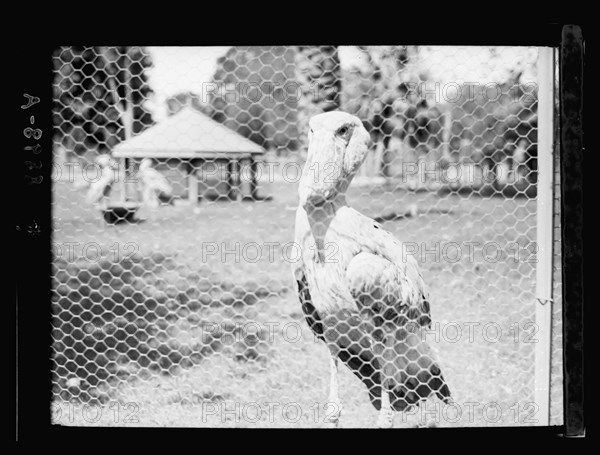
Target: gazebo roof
(187, 134)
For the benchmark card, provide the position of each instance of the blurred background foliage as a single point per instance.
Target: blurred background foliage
(96, 89)
(267, 94)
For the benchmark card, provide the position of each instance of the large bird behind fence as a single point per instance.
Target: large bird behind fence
(360, 295)
(155, 187)
(101, 188)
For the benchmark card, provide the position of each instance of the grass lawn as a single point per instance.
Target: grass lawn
(148, 320)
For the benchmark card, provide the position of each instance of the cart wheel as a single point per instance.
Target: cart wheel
(120, 213)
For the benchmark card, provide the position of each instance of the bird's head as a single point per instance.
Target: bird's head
(338, 144)
(105, 162)
(145, 164)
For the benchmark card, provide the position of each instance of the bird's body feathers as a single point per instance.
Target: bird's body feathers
(101, 188)
(366, 286)
(155, 187)
(360, 291)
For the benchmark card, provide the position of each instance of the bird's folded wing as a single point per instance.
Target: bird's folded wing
(392, 299)
(154, 179)
(387, 290)
(349, 333)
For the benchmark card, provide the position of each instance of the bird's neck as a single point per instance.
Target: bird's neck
(320, 218)
(327, 210)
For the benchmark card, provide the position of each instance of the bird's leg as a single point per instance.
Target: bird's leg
(100, 218)
(102, 207)
(147, 202)
(386, 413)
(154, 204)
(333, 409)
(429, 418)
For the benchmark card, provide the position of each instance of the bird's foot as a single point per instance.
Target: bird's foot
(333, 412)
(332, 423)
(385, 419)
(425, 425)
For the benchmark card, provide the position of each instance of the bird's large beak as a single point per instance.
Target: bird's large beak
(323, 170)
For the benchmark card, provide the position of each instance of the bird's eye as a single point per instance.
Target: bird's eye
(343, 130)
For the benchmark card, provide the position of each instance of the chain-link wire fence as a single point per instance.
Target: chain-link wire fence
(174, 205)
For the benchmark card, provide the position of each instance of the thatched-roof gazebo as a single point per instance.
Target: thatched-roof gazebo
(192, 138)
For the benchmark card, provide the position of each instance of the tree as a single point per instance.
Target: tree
(99, 96)
(178, 101)
(254, 93)
(319, 75)
(319, 72)
(378, 94)
(495, 125)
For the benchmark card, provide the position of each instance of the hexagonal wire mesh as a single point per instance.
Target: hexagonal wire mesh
(173, 301)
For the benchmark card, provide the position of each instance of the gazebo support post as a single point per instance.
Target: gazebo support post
(233, 179)
(253, 179)
(192, 184)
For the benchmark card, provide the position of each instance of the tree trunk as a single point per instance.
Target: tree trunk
(319, 74)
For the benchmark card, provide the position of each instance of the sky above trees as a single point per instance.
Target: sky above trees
(182, 69)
